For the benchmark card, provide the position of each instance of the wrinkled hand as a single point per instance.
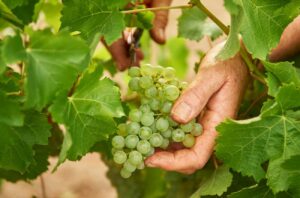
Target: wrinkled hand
(120, 49)
(216, 91)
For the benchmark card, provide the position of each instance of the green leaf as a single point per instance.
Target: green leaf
(214, 182)
(292, 167)
(25, 10)
(90, 17)
(232, 44)
(88, 114)
(143, 20)
(288, 97)
(16, 143)
(193, 24)
(7, 15)
(10, 111)
(53, 63)
(245, 145)
(264, 22)
(13, 50)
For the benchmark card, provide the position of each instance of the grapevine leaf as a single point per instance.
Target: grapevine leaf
(53, 63)
(7, 15)
(143, 20)
(25, 10)
(288, 97)
(13, 50)
(232, 44)
(10, 112)
(214, 182)
(88, 114)
(245, 145)
(193, 24)
(291, 166)
(16, 143)
(90, 17)
(232, 7)
(264, 22)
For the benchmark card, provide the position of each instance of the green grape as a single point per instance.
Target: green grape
(154, 104)
(133, 128)
(120, 157)
(165, 143)
(134, 72)
(189, 140)
(144, 101)
(145, 108)
(118, 142)
(147, 118)
(141, 166)
(143, 147)
(135, 158)
(187, 127)
(172, 122)
(125, 173)
(167, 133)
(145, 82)
(122, 129)
(145, 133)
(129, 167)
(148, 70)
(166, 107)
(171, 92)
(174, 82)
(197, 129)
(151, 92)
(131, 141)
(178, 135)
(156, 140)
(169, 73)
(162, 81)
(135, 115)
(162, 124)
(151, 152)
(134, 84)
(153, 127)
(114, 150)
(183, 85)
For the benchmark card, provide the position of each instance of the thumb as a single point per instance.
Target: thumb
(160, 21)
(194, 98)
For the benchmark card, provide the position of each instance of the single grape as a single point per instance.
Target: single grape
(125, 173)
(162, 124)
(162, 81)
(187, 127)
(133, 128)
(141, 166)
(151, 152)
(197, 129)
(156, 140)
(143, 147)
(134, 84)
(169, 73)
(174, 82)
(154, 104)
(189, 140)
(144, 101)
(171, 92)
(153, 127)
(145, 133)
(167, 133)
(165, 143)
(131, 141)
(120, 157)
(147, 118)
(178, 135)
(172, 122)
(145, 108)
(151, 92)
(135, 158)
(122, 129)
(135, 115)
(166, 107)
(114, 150)
(148, 70)
(134, 72)
(118, 142)
(129, 167)
(145, 82)
(183, 85)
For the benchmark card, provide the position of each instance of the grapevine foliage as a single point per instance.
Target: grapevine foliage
(55, 99)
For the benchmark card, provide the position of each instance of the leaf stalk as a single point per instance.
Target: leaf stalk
(157, 9)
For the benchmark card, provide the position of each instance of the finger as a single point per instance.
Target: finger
(160, 21)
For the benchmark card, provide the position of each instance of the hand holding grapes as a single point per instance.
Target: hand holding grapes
(216, 91)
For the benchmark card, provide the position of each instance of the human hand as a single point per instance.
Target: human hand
(216, 91)
(120, 49)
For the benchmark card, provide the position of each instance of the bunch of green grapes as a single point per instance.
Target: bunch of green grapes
(150, 126)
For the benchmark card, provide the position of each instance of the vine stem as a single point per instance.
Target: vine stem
(44, 195)
(243, 52)
(157, 9)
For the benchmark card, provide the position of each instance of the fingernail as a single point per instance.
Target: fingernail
(161, 33)
(149, 164)
(183, 111)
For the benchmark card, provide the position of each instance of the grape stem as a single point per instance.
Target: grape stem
(157, 9)
(245, 55)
